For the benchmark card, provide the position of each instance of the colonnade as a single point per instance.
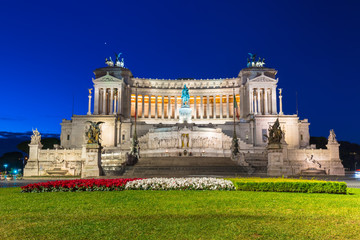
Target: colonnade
(262, 101)
(107, 101)
(167, 107)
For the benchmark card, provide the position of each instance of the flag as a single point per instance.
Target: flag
(236, 108)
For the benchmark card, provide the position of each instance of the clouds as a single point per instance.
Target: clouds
(9, 140)
(25, 135)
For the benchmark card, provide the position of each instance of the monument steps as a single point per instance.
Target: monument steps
(185, 167)
(259, 164)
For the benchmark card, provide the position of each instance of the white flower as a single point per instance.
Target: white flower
(180, 184)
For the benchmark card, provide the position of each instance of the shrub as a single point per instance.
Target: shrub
(288, 185)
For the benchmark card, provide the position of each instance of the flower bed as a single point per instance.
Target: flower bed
(79, 185)
(180, 184)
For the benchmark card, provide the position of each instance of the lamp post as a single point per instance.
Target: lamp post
(235, 142)
(5, 166)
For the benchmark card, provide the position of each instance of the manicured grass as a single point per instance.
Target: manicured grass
(178, 215)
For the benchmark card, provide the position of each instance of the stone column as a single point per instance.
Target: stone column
(273, 101)
(259, 101)
(162, 107)
(227, 106)
(255, 104)
(89, 109)
(242, 101)
(195, 110)
(118, 136)
(156, 107)
(169, 107)
(201, 107)
(111, 100)
(175, 107)
(115, 101)
(103, 110)
(120, 100)
(149, 107)
(208, 107)
(221, 106)
(266, 101)
(280, 102)
(127, 109)
(251, 100)
(96, 101)
(142, 106)
(214, 107)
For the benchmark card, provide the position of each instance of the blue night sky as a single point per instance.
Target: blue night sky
(49, 50)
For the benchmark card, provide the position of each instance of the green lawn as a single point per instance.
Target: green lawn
(178, 215)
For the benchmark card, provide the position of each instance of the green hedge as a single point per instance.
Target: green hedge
(288, 185)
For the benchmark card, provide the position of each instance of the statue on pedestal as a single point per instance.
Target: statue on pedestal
(275, 134)
(185, 110)
(185, 97)
(36, 137)
(332, 137)
(93, 133)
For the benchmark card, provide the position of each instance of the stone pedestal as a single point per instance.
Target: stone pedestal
(185, 114)
(336, 167)
(277, 163)
(32, 166)
(92, 164)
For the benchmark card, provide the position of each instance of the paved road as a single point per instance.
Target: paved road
(352, 180)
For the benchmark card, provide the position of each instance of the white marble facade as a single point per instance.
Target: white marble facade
(159, 101)
(113, 101)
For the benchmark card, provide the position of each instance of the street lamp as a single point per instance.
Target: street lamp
(5, 166)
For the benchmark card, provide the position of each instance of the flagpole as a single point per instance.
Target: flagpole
(235, 143)
(136, 105)
(234, 107)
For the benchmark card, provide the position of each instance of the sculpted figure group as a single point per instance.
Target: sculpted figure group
(176, 142)
(275, 133)
(93, 133)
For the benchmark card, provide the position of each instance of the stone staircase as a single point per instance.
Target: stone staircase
(185, 167)
(258, 161)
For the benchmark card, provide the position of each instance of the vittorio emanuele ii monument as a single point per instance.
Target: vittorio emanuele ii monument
(184, 127)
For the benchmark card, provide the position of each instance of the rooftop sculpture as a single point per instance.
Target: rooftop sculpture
(118, 62)
(253, 63)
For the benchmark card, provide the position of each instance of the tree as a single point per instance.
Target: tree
(48, 143)
(12, 159)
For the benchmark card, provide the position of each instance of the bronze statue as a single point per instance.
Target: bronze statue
(93, 133)
(275, 133)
